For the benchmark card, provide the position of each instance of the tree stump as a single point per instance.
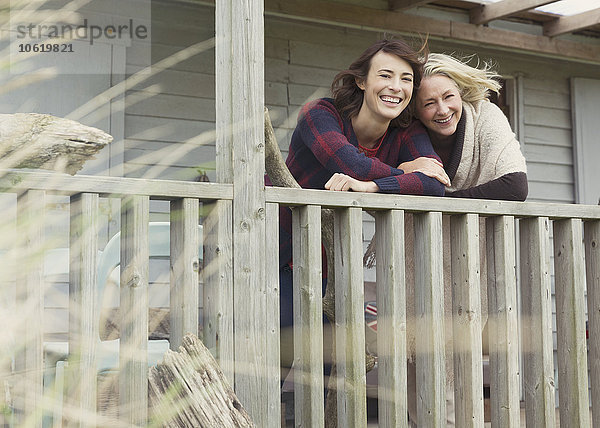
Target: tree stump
(188, 389)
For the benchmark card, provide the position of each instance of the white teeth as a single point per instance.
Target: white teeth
(444, 120)
(390, 99)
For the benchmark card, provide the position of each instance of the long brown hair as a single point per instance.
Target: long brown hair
(348, 97)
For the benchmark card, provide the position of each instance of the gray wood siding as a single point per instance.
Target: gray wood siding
(547, 143)
(172, 112)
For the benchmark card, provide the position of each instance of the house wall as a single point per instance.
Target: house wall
(301, 60)
(169, 117)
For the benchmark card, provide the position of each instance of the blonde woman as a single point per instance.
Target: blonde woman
(471, 135)
(482, 159)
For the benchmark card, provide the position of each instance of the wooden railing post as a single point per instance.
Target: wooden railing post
(502, 322)
(218, 286)
(592, 273)
(239, 55)
(185, 270)
(272, 362)
(349, 318)
(536, 303)
(83, 311)
(569, 280)
(391, 319)
(308, 316)
(466, 320)
(133, 349)
(429, 311)
(31, 207)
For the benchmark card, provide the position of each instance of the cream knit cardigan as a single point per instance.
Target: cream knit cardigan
(490, 148)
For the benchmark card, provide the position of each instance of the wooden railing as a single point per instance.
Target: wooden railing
(576, 236)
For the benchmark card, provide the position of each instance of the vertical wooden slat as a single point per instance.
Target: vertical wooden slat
(391, 319)
(308, 316)
(83, 310)
(569, 283)
(273, 396)
(218, 285)
(239, 26)
(502, 322)
(466, 320)
(429, 311)
(349, 318)
(133, 350)
(592, 272)
(536, 304)
(30, 304)
(184, 270)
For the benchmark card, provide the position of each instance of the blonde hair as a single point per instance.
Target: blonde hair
(473, 83)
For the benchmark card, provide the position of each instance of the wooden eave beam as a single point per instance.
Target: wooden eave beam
(352, 16)
(567, 24)
(399, 5)
(348, 15)
(488, 12)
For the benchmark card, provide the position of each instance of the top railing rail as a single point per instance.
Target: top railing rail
(19, 180)
(483, 207)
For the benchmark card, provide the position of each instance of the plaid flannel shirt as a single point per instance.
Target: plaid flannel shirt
(324, 143)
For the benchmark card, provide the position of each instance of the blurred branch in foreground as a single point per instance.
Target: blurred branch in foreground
(29, 140)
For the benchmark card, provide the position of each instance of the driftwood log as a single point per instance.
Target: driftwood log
(188, 389)
(280, 176)
(31, 140)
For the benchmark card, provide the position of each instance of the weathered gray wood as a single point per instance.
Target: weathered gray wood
(536, 306)
(185, 269)
(488, 12)
(114, 186)
(429, 203)
(160, 189)
(31, 140)
(429, 311)
(30, 300)
(399, 5)
(218, 285)
(391, 319)
(239, 27)
(502, 322)
(133, 347)
(569, 280)
(273, 395)
(83, 310)
(569, 24)
(466, 320)
(592, 272)
(349, 318)
(308, 316)
(188, 389)
(224, 98)
(351, 15)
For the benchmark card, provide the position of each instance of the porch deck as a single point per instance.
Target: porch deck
(233, 315)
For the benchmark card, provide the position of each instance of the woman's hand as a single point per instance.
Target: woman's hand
(428, 166)
(343, 183)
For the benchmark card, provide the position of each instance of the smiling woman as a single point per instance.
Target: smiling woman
(356, 141)
(480, 153)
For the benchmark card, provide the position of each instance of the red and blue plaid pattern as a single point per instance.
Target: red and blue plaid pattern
(371, 315)
(324, 143)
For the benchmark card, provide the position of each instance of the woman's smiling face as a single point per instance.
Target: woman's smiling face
(387, 88)
(439, 105)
